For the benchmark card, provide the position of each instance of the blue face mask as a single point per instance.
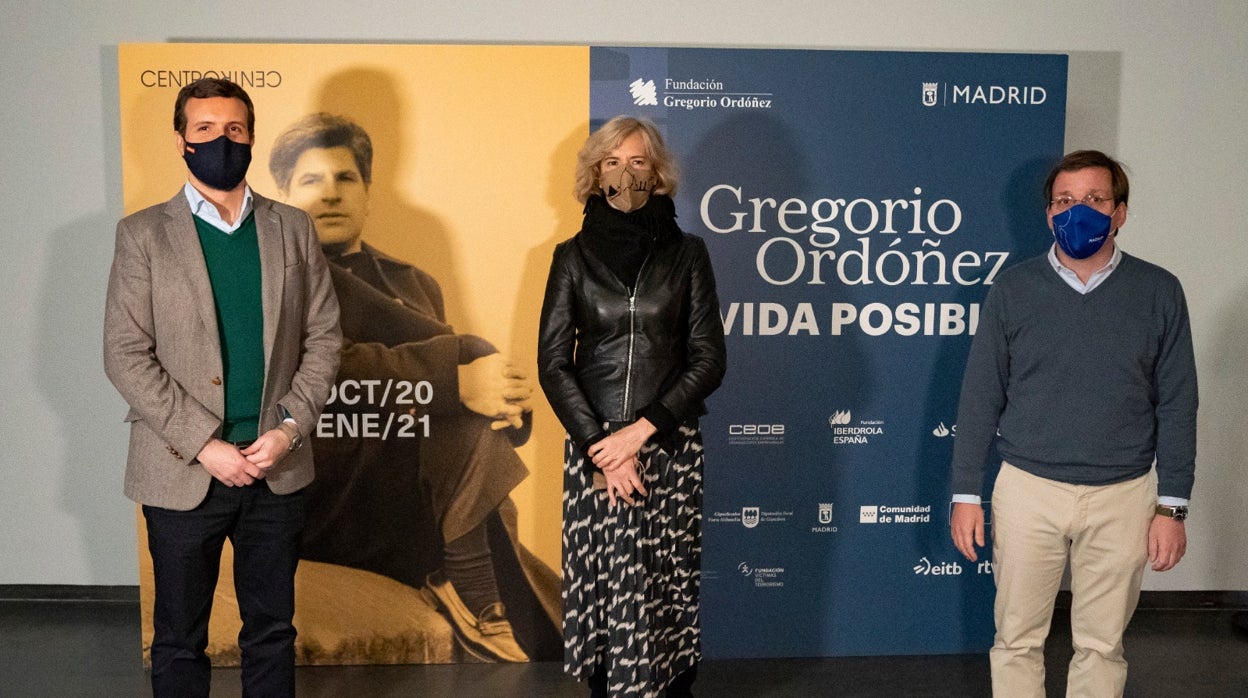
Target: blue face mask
(220, 163)
(1081, 230)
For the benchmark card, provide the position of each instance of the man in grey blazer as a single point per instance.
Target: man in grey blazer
(221, 333)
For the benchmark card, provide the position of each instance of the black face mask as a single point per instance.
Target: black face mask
(220, 163)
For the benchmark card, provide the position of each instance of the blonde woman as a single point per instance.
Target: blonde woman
(630, 346)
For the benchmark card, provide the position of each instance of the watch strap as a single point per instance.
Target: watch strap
(1178, 513)
(292, 433)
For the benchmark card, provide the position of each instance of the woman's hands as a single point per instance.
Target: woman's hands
(624, 482)
(617, 457)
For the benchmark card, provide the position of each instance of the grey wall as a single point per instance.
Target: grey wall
(1162, 85)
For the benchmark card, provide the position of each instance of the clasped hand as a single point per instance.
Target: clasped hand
(617, 456)
(237, 467)
(493, 387)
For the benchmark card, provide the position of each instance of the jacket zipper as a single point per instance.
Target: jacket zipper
(628, 370)
(632, 334)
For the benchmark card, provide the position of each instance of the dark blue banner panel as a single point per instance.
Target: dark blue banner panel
(858, 206)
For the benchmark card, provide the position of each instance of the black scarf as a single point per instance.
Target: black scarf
(623, 240)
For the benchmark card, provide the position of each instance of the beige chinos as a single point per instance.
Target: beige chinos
(1037, 524)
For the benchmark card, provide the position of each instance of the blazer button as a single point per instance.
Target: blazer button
(216, 380)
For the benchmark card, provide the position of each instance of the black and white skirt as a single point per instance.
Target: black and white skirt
(631, 573)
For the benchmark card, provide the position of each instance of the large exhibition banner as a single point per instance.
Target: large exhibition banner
(468, 192)
(857, 206)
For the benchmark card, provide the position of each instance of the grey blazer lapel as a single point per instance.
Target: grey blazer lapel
(184, 241)
(270, 233)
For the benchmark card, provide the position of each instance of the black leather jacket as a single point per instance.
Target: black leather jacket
(603, 354)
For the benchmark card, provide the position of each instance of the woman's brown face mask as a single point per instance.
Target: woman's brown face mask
(627, 189)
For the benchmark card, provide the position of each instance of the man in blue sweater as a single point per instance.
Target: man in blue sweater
(1083, 376)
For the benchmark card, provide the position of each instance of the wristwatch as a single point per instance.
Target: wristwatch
(1169, 510)
(292, 433)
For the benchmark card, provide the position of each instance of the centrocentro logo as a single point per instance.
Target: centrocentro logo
(749, 517)
(644, 93)
(840, 417)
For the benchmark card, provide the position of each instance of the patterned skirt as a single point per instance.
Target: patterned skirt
(631, 573)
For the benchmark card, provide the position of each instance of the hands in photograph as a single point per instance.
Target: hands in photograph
(493, 387)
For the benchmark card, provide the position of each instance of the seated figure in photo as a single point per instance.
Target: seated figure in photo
(415, 472)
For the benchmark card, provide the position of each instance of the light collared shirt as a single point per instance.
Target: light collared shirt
(1098, 277)
(1072, 279)
(204, 209)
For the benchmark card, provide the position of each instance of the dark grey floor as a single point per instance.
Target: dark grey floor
(64, 647)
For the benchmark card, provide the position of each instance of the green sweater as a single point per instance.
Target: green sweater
(1085, 389)
(234, 269)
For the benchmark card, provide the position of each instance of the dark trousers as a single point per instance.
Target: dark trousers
(264, 529)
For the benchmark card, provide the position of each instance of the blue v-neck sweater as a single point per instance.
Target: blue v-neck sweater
(1084, 388)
